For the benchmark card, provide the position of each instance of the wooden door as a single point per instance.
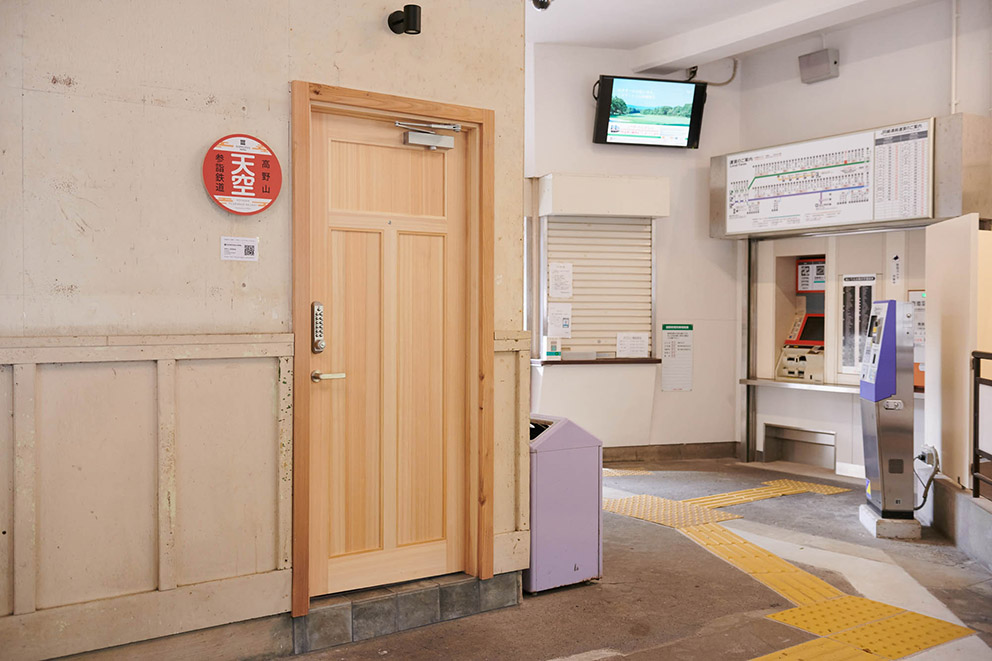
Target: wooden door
(389, 253)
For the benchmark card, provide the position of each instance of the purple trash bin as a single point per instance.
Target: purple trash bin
(566, 500)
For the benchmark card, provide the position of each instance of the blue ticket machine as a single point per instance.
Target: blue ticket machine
(887, 409)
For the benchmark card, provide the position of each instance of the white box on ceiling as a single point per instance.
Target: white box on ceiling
(603, 195)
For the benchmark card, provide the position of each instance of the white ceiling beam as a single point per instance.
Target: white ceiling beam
(762, 27)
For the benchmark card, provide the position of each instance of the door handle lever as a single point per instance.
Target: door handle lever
(317, 377)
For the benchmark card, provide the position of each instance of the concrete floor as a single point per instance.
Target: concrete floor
(663, 596)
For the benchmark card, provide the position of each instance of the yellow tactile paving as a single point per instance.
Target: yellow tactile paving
(901, 635)
(738, 497)
(810, 487)
(623, 472)
(712, 534)
(829, 617)
(854, 629)
(671, 513)
(821, 649)
(799, 587)
(739, 552)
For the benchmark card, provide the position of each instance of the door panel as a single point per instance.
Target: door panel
(350, 411)
(359, 189)
(388, 441)
(420, 441)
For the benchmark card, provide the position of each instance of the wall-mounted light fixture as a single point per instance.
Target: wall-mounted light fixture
(405, 20)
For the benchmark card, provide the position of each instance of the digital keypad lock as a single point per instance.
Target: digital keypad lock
(317, 309)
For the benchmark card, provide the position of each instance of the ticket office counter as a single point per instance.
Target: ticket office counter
(816, 420)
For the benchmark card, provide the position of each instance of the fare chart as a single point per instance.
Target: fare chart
(879, 175)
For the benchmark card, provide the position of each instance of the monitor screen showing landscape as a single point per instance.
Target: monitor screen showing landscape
(639, 111)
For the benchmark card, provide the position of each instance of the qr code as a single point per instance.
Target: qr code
(249, 251)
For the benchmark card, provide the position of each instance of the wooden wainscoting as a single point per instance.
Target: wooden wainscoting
(145, 487)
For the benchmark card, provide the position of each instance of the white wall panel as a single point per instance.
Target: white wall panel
(696, 276)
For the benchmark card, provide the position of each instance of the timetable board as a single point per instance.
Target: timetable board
(879, 175)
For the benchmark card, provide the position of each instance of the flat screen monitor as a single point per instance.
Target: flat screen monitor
(645, 111)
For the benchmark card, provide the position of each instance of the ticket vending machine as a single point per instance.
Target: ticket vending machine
(887, 409)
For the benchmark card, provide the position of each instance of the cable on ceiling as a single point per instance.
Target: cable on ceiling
(691, 73)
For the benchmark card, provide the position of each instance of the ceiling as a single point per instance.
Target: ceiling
(627, 24)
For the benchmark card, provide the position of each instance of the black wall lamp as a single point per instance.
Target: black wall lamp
(405, 20)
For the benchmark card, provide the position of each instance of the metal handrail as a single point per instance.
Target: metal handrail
(978, 455)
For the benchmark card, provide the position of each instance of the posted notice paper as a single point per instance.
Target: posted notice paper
(560, 320)
(676, 357)
(560, 279)
(633, 345)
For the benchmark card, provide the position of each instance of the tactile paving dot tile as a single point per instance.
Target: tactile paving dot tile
(799, 587)
(736, 550)
(902, 635)
(671, 513)
(821, 649)
(810, 487)
(836, 615)
(737, 497)
(622, 472)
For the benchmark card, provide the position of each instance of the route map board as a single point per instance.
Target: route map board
(878, 175)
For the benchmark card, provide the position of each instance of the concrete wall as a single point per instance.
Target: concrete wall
(106, 111)
(892, 69)
(696, 277)
(108, 108)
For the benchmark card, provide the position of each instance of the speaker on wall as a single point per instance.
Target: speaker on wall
(819, 65)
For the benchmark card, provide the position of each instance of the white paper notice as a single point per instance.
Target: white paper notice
(560, 279)
(633, 345)
(919, 300)
(676, 357)
(239, 248)
(559, 320)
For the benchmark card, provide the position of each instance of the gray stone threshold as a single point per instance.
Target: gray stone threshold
(366, 614)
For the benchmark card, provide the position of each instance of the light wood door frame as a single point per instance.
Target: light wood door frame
(308, 98)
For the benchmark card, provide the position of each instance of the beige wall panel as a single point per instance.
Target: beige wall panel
(11, 42)
(861, 253)
(226, 468)
(6, 489)
(97, 261)
(160, 56)
(506, 438)
(97, 477)
(11, 201)
(473, 56)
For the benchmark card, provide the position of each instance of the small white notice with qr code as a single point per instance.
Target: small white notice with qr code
(239, 248)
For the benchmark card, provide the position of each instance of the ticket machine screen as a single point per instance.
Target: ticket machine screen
(869, 361)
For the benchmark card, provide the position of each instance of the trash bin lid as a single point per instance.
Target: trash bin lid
(563, 434)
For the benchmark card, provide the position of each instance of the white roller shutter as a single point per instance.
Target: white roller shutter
(611, 279)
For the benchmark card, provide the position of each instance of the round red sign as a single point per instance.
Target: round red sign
(242, 174)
